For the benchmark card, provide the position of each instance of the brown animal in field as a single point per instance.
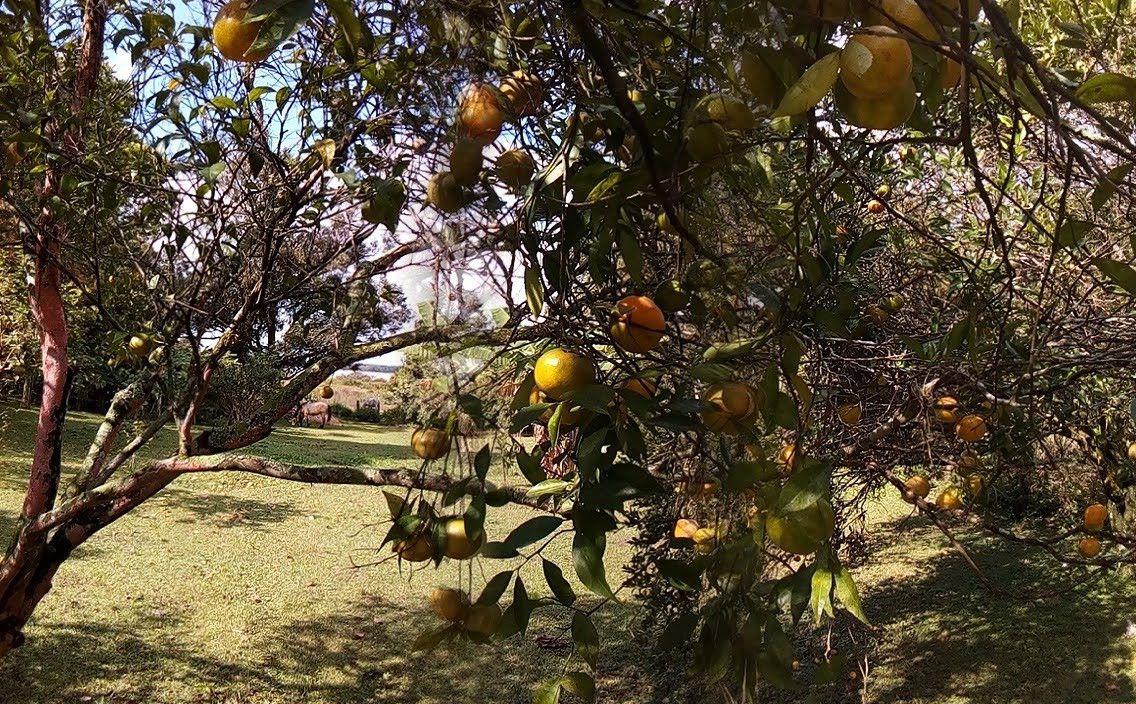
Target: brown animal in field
(313, 411)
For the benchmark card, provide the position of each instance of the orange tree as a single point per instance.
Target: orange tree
(759, 263)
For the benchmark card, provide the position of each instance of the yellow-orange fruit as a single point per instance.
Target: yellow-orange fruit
(706, 141)
(884, 113)
(416, 549)
(430, 443)
(480, 115)
(514, 168)
(762, 83)
(734, 407)
(559, 373)
(887, 70)
(483, 619)
(946, 410)
(948, 12)
(1132, 451)
(952, 73)
(444, 191)
(685, 528)
(1095, 516)
(465, 161)
(875, 207)
(971, 428)
(905, 16)
(917, 486)
(326, 392)
(641, 387)
(705, 540)
(849, 413)
(449, 604)
(1089, 547)
(949, 499)
(787, 456)
(458, 545)
(802, 532)
(523, 93)
(975, 484)
(570, 416)
(233, 38)
(637, 324)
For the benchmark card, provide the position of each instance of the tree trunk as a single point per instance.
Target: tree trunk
(30, 582)
(27, 396)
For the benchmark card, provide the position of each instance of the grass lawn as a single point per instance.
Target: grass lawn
(239, 589)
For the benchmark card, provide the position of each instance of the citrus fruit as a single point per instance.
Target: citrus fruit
(894, 303)
(140, 344)
(762, 83)
(706, 141)
(705, 540)
(685, 528)
(514, 168)
(801, 532)
(1089, 547)
(875, 207)
(417, 549)
(884, 113)
(444, 192)
(641, 387)
(875, 62)
(483, 619)
(952, 73)
(232, 37)
(971, 428)
(949, 499)
(975, 484)
(465, 161)
(905, 16)
(570, 415)
(948, 12)
(788, 455)
(946, 410)
(326, 392)
(559, 373)
(523, 93)
(1095, 516)
(449, 604)
(637, 324)
(430, 443)
(479, 114)
(458, 545)
(849, 413)
(734, 406)
(727, 110)
(917, 486)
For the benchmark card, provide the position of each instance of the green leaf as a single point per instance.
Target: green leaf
(581, 684)
(1121, 274)
(807, 485)
(481, 462)
(560, 587)
(1106, 186)
(395, 503)
(829, 671)
(530, 467)
(820, 599)
(811, 87)
(587, 557)
(547, 693)
(547, 488)
(223, 102)
(532, 530)
(712, 371)
(497, 550)
(494, 588)
(534, 290)
(632, 256)
(1107, 88)
(586, 637)
(1072, 232)
(279, 24)
(387, 200)
(849, 595)
(357, 34)
(522, 607)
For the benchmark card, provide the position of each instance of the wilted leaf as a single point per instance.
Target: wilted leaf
(1107, 88)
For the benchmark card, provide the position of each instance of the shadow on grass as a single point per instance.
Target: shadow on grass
(949, 639)
(223, 510)
(363, 655)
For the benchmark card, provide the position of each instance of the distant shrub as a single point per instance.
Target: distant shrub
(343, 412)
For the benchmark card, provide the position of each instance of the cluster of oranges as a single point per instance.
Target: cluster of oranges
(453, 605)
(482, 112)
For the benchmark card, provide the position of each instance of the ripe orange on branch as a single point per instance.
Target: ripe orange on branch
(917, 486)
(458, 544)
(1095, 516)
(233, 37)
(734, 406)
(417, 549)
(480, 115)
(430, 443)
(946, 410)
(523, 93)
(971, 428)
(949, 499)
(570, 416)
(1089, 547)
(560, 373)
(449, 604)
(637, 324)
(875, 62)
